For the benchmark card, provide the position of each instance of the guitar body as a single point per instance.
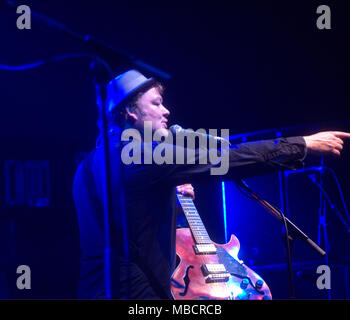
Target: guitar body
(191, 280)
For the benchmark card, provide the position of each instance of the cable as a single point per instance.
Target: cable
(37, 64)
(243, 191)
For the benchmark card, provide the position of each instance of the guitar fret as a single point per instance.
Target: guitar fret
(200, 236)
(195, 223)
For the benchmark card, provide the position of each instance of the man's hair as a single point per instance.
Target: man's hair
(119, 116)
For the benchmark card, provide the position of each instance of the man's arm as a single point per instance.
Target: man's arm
(245, 160)
(326, 143)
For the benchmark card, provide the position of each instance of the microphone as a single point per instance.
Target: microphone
(176, 129)
(306, 170)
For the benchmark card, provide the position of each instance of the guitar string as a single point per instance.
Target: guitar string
(202, 258)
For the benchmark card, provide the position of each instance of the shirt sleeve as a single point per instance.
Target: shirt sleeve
(244, 160)
(281, 154)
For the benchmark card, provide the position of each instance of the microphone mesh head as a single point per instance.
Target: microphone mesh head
(175, 129)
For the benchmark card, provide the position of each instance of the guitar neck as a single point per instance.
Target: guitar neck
(194, 221)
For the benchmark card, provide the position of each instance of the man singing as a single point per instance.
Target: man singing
(144, 242)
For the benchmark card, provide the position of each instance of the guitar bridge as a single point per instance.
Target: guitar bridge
(218, 277)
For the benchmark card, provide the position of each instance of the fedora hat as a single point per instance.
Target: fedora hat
(123, 86)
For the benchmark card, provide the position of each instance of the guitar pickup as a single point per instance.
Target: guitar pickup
(204, 248)
(213, 268)
(219, 277)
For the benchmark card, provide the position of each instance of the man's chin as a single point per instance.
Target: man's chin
(161, 132)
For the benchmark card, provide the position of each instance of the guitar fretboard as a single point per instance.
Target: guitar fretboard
(194, 221)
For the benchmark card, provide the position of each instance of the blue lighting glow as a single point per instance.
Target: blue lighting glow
(224, 208)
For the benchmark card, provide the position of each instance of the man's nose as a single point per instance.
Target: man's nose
(166, 112)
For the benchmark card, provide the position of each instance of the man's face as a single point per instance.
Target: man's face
(150, 108)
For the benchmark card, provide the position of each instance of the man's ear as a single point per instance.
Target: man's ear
(131, 114)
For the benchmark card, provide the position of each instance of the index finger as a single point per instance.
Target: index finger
(341, 134)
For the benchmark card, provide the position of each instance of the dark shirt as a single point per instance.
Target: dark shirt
(150, 206)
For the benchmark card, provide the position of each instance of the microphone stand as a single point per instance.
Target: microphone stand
(292, 231)
(102, 72)
(331, 204)
(100, 79)
(288, 244)
(322, 226)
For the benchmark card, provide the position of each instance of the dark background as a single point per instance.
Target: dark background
(247, 67)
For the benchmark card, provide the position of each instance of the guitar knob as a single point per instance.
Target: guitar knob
(244, 284)
(259, 284)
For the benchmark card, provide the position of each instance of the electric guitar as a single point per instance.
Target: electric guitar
(208, 270)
